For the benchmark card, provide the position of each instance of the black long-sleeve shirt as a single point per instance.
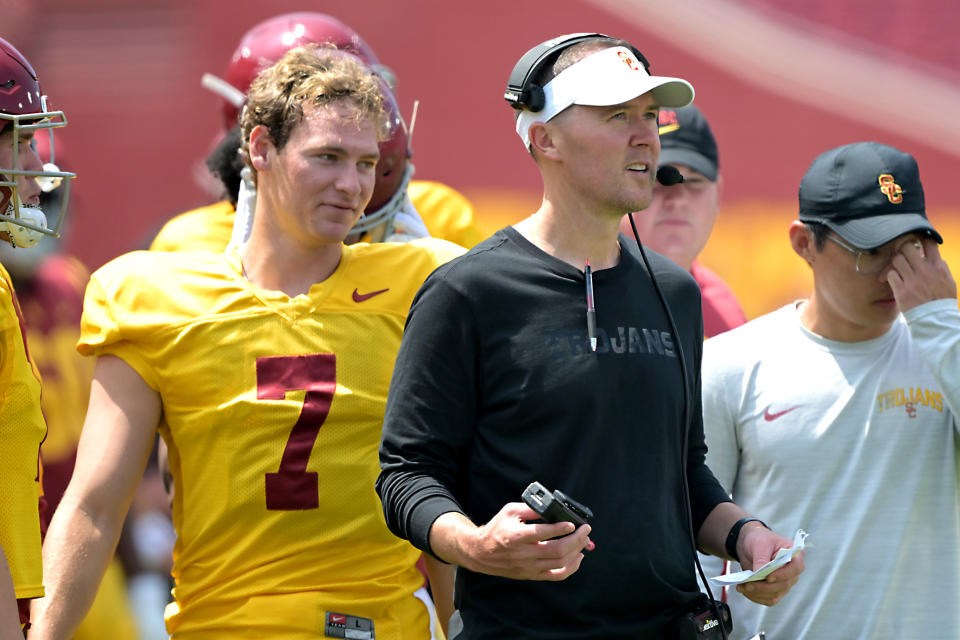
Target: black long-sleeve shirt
(495, 386)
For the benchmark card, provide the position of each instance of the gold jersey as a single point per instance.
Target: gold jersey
(51, 305)
(272, 412)
(22, 429)
(445, 212)
(206, 228)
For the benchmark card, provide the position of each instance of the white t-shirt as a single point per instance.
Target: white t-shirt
(858, 444)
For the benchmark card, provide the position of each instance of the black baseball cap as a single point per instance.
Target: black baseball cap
(685, 138)
(867, 193)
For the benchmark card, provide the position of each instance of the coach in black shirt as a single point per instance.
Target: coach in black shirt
(499, 382)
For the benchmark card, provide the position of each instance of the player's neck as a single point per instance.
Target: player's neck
(287, 266)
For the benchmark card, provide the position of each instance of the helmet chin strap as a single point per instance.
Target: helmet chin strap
(246, 204)
(407, 225)
(25, 224)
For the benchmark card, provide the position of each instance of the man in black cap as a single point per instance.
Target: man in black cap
(838, 413)
(680, 218)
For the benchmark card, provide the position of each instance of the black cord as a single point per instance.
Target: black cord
(686, 427)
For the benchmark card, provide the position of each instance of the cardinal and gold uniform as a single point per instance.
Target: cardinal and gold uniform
(22, 429)
(206, 228)
(444, 210)
(51, 301)
(272, 413)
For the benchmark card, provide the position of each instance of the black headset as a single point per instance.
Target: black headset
(522, 92)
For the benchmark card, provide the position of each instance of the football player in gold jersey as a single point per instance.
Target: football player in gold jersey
(265, 369)
(50, 285)
(23, 115)
(400, 208)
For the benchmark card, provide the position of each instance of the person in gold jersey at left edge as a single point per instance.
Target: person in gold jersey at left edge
(23, 115)
(266, 370)
(49, 284)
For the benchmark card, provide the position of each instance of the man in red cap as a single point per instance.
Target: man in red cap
(679, 220)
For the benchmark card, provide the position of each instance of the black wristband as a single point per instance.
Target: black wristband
(734, 535)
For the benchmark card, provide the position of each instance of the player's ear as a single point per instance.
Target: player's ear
(802, 241)
(261, 148)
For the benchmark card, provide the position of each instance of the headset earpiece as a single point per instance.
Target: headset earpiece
(535, 100)
(522, 90)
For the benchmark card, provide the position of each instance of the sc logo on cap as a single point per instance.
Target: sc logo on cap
(629, 60)
(890, 188)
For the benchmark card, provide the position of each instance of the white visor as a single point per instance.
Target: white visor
(607, 77)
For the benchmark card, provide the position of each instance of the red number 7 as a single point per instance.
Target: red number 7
(292, 487)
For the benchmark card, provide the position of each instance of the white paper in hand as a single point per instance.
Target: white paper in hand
(783, 557)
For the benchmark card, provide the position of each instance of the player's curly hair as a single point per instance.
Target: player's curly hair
(321, 74)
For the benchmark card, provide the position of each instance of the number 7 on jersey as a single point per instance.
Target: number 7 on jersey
(292, 487)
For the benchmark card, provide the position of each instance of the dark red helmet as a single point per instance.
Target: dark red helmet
(394, 170)
(266, 43)
(19, 87)
(23, 109)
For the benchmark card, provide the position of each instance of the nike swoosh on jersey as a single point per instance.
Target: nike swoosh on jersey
(770, 417)
(360, 297)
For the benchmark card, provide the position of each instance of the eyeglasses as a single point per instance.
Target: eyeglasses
(872, 261)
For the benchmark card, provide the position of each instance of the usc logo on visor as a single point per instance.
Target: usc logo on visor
(629, 60)
(890, 188)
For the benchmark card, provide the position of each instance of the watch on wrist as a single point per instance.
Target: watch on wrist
(734, 535)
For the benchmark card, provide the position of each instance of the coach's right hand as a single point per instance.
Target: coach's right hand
(509, 546)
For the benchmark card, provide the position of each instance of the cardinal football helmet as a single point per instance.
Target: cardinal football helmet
(394, 171)
(23, 108)
(266, 43)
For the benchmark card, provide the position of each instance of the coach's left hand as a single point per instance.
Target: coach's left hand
(756, 547)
